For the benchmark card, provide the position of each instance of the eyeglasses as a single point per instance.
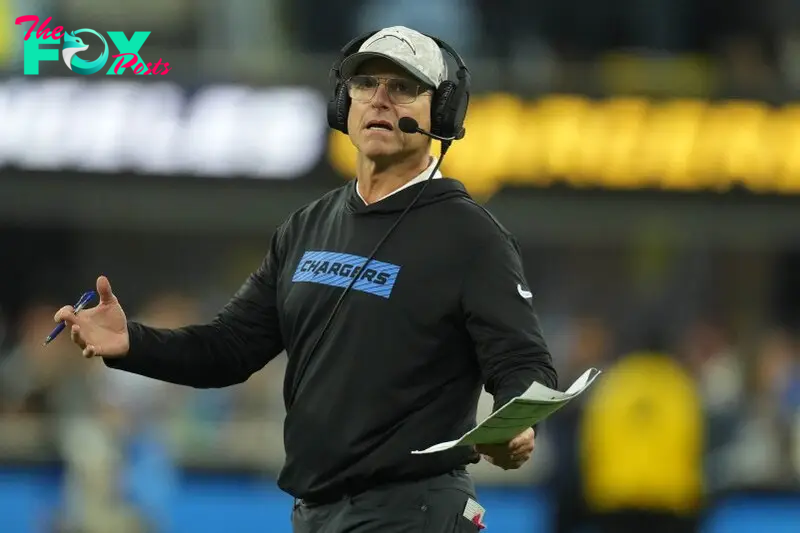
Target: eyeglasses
(401, 91)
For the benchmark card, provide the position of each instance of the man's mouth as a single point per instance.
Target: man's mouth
(379, 125)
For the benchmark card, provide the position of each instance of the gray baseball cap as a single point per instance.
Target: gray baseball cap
(409, 49)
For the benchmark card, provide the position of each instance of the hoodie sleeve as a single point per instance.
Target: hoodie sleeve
(501, 320)
(243, 337)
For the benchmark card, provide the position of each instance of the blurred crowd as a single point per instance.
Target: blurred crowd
(123, 437)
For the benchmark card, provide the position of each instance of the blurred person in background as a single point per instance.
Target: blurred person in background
(641, 447)
(48, 407)
(253, 431)
(135, 411)
(402, 365)
(761, 447)
(717, 369)
(39, 395)
(31, 375)
(591, 345)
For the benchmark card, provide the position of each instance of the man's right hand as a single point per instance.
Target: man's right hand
(101, 330)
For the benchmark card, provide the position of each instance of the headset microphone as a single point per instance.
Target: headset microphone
(410, 125)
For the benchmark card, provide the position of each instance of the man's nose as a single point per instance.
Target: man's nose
(381, 98)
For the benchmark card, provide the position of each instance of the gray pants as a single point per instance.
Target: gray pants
(434, 505)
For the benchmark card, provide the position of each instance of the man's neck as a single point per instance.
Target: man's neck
(376, 180)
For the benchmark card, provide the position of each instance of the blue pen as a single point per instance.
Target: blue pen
(84, 300)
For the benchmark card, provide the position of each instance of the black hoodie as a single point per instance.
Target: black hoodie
(441, 310)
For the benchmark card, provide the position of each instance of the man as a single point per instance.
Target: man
(384, 356)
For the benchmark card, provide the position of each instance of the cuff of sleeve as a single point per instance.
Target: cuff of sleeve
(135, 353)
(500, 402)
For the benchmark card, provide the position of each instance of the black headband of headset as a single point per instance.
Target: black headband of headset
(353, 46)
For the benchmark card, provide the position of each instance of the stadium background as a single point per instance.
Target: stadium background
(645, 152)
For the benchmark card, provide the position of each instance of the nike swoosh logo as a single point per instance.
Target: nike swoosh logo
(522, 292)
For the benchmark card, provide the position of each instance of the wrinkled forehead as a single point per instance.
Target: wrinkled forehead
(383, 67)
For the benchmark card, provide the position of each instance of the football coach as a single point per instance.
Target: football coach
(396, 298)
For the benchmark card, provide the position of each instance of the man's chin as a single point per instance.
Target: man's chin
(380, 150)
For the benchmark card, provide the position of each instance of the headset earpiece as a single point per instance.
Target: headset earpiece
(441, 114)
(339, 104)
(451, 99)
(339, 108)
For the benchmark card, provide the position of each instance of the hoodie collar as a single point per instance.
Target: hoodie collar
(419, 178)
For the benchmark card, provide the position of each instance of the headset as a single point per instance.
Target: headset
(448, 105)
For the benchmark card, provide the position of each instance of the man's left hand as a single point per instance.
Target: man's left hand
(512, 455)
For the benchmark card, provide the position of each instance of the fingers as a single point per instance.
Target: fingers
(104, 290)
(521, 447)
(512, 461)
(522, 443)
(521, 456)
(75, 335)
(88, 350)
(523, 440)
(66, 313)
(512, 455)
(517, 442)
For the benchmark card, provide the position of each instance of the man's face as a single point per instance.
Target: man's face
(372, 125)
